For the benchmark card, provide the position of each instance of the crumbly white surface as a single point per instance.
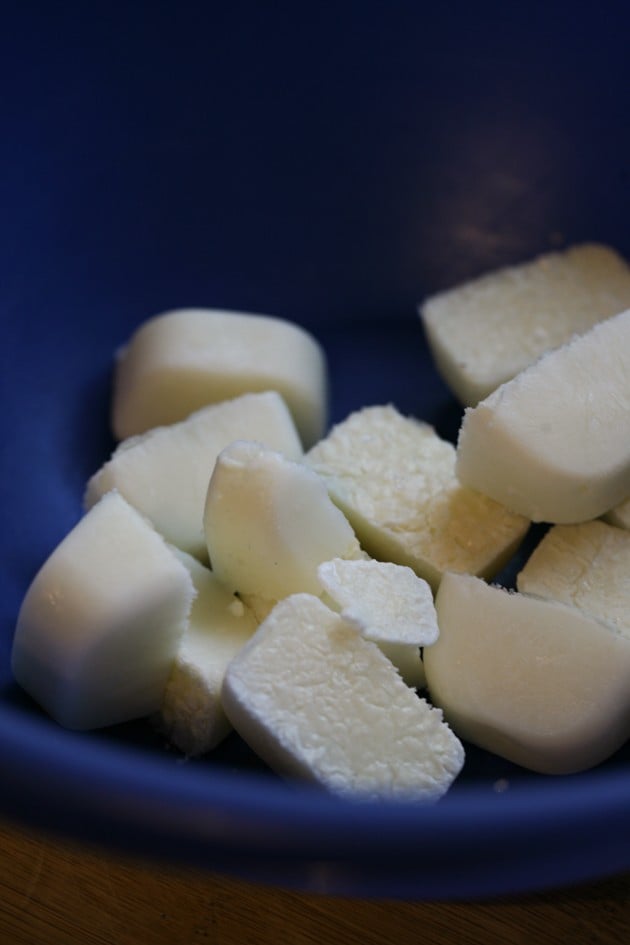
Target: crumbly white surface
(484, 332)
(317, 700)
(388, 603)
(586, 566)
(394, 478)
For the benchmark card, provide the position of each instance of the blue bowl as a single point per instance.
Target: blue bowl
(329, 166)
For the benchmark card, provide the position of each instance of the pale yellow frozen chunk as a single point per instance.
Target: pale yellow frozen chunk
(318, 701)
(486, 331)
(269, 523)
(165, 472)
(394, 478)
(192, 716)
(534, 681)
(586, 566)
(182, 360)
(388, 604)
(620, 515)
(554, 442)
(101, 622)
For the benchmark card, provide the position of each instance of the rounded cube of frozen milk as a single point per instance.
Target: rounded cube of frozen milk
(192, 716)
(586, 566)
(100, 624)
(182, 360)
(486, 331)
(269, 523)
(554, 442)
(394, 478)
(534, 681)
(165, 472)
(317, 701)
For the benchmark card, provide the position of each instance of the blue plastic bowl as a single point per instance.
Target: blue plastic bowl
(329, 165)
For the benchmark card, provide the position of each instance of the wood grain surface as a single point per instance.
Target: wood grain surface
(54, 893)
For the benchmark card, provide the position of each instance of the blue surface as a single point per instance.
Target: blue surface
(331, 164)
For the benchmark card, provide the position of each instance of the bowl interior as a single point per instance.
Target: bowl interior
(333, 168)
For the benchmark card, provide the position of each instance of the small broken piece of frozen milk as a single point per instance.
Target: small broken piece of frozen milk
(586, 566)
(269, 522)
(394, 478)
(101, 622)
(316, 700)
(554, 442)
(192, 716)
(179, 361)
(486, 331)
(534, 681)
(165, 473)
(388, 604)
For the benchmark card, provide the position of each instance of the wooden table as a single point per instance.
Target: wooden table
(54, 893)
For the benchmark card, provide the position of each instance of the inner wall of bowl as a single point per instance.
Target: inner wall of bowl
(333, 168)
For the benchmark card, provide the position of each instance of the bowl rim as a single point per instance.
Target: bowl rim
(475, 844)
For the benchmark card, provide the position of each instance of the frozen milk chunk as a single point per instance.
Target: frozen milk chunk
(165, 473)
(269, 523)
(586, 566)
(394, 478)
(192, 716)
(182, 360)
(532, 680)
(620, 515)
(485, 332)
(100, 624)
(317, 700)
(554, 442)
(388, 604)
